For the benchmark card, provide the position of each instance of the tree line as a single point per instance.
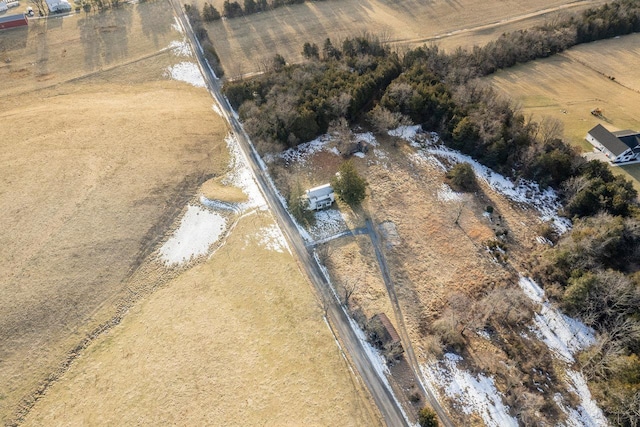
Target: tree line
(233, 9)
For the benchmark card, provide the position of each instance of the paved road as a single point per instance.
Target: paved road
(381, 394)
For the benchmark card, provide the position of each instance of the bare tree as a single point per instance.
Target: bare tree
(348, 287)
(340, 128)
(41, 6)
(549, 129)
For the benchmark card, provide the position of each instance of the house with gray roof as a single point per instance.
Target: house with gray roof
(620, 147)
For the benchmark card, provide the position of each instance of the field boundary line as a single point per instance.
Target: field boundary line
(95, 72)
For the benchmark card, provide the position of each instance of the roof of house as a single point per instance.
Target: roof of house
(388, 326)
(608, 140)
(626, 132)
(11, 18)
(320, 191)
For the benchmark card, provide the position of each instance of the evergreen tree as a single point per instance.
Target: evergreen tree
(210, 13)
(349, 185)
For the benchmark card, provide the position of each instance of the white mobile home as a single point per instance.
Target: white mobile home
(320, 197)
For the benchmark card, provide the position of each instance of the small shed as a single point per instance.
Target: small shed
(13, 21)
(383, 335)
(320, 197)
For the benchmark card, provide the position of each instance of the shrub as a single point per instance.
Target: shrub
(462, 177)
(427, 417)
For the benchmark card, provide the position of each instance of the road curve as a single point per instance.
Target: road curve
(382, 395)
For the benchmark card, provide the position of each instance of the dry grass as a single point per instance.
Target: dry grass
(216, 189)
(568, 86)
(95, 169)
(246, 44)
(431, 259)
(237, 342)
(353, 266)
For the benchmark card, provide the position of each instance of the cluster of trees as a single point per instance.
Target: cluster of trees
(233, 9)
(593, 274)
(294, 104)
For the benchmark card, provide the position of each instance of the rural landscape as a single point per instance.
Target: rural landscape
(334, 212)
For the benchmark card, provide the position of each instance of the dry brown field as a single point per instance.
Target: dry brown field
(568, 86)
(100, 153)
(432, 260)
(237, 342)
(94, 170)
(246, 44)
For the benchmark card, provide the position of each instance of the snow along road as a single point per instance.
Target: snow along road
(381, 394)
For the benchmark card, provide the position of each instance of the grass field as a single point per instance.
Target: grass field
(246, 44)
(94, 172)
(100, 154)
(568, 86)
(216, 346)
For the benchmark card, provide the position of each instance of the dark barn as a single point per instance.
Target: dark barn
(12, 21)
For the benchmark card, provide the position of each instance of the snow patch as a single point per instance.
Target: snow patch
(474, 394)
(359, 154)
(180, 48)
(524, 192)
(187, 72)
(367, 137)
(531, 289)
(177, 26)
(405, 132)
(241, 177)
(217, 109)
(587, 414)
(446, 194)
(563, 335)
(328, 223)
(272, 238)
(199, 229)
(302, 152)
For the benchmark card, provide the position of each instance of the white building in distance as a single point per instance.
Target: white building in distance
(620, 147)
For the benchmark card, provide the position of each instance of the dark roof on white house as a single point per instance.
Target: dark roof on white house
(11, 18)
(611, 142)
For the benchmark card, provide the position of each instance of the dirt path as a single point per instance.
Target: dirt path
(406, 341)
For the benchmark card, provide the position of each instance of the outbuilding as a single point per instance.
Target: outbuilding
(620, 147)
(320, 197)
(383, 335)
(58, 6)
(13, 21)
